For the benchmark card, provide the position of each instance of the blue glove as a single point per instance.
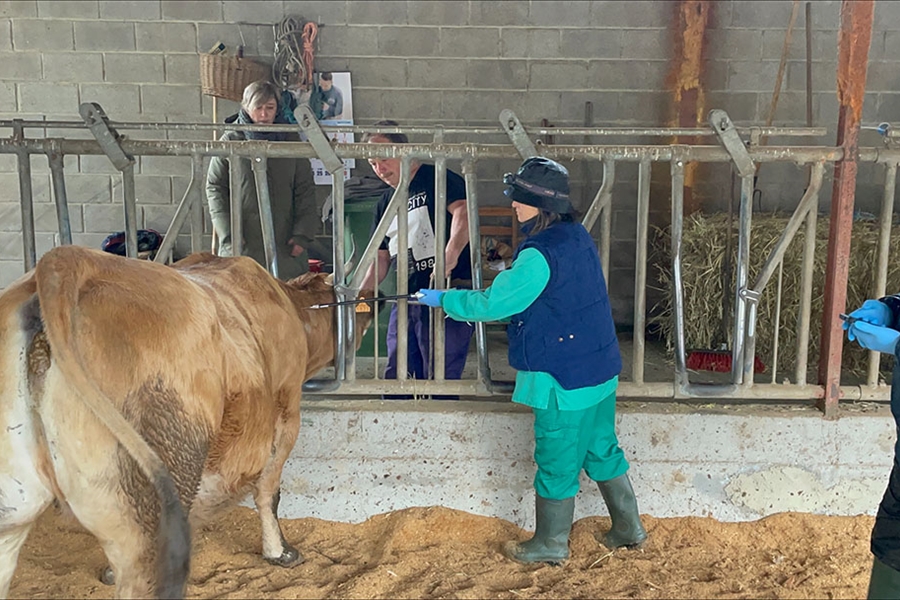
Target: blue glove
(874, 337)
(874, 312)
(430, 297)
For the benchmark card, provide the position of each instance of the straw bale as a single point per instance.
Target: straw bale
(703, 254)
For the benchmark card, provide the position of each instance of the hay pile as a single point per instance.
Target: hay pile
(703, 253)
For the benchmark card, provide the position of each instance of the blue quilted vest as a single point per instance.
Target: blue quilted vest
(568, 331)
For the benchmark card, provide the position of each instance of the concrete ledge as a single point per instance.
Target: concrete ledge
(357, 458)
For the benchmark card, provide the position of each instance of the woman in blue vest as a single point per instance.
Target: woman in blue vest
(562, 341)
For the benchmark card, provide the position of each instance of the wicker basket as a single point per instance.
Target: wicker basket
(227, 76)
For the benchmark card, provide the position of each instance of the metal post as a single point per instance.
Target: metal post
(131, 221)
(468, 170)
(640, 270)
(402, 216)
(743, 268)
(26, 195)
(59, 192)
(196, 203)
(440, 281)
(884, 247)
(677, 169)
(235, 177)
(264, 202)
(187, 206)
(854, 38)
(806, 282)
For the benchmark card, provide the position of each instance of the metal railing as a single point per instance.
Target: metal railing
(736, 146)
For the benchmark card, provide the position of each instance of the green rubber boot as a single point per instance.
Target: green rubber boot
(885, 582)
(550, 544)
(626, 529)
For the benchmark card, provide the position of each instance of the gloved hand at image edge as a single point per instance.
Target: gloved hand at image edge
(874, 312)
(431, 297)
(874, 337)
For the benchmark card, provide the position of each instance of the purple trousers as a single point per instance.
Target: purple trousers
(456, 337)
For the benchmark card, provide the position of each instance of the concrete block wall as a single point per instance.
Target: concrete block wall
(449, 62)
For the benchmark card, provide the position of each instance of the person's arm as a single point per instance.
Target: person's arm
(383, 261)
(304, 207)
(459, 235)
(513, 290)
(219, 200)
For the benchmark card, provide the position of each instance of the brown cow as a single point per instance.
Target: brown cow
(205, 360)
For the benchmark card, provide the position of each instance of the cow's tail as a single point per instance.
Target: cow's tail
(59, 276)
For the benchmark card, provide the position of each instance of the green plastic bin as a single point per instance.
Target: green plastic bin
(358, 216)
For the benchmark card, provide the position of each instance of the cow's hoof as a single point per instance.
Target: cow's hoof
(290, 557)
(107, 577)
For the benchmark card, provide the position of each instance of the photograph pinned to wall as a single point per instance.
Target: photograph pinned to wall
(331, 101)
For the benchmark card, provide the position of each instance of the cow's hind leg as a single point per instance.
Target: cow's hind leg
(11, 541)
(267, 493)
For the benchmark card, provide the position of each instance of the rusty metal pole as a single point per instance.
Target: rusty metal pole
(854, 39)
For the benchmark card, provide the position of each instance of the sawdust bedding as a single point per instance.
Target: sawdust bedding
(442, 553)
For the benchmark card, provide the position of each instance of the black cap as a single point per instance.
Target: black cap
(542, 183)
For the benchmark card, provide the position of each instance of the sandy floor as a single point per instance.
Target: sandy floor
(442, 553)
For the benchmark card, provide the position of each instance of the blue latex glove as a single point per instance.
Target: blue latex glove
(431, 297)
(874, 312)
(874, 337)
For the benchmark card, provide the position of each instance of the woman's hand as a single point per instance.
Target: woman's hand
(296, 249)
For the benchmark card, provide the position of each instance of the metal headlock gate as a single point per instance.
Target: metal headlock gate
(739, 146)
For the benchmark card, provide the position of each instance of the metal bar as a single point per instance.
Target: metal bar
(778, 291)
(732, 142)
(264, 203)
(604, 194)
(677, 171)
(809, 201)
(402, 216)
(26, 202)
(806, 283)
(440, 280)
(517, 134)
(320, 142)
(640, 271)
(884, 248)
(196, 203)
(468, 170)
(58, 175)
(131, 220)
(593, 131)
(399, 199)
(629, 153)
(185, 207)
(742, 275)
(809, 102)
(236, 204)
(345, 359)
(854, 39)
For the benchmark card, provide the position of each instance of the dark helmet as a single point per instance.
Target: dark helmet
(542, 183)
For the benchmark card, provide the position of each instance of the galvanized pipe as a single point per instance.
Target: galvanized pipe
(440, 281)
(468, 170)
(185, 207)
(264, 203)
(26, 195)
(743, 268)
(402, 216)
(196, 203)
(236, 204)
(597, 131)
(629, 153)
(604, 195)
(640, 270)
(885, 220)
(806, 283)
(57, 173)
(677, 171)
(345, 358)
(131, 221)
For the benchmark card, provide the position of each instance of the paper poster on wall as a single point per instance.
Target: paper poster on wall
(332, 103)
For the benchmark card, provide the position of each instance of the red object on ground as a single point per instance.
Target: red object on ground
(315, 265)
(717, 360)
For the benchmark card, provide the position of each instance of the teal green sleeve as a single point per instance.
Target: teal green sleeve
(512, 292)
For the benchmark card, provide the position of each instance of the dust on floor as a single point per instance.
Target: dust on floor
(438, 552)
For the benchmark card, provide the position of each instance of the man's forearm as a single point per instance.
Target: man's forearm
(383, 262)
(459, 231)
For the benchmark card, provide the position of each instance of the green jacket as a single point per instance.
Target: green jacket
(294, 214)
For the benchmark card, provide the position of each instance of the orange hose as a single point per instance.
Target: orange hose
(310, 31)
